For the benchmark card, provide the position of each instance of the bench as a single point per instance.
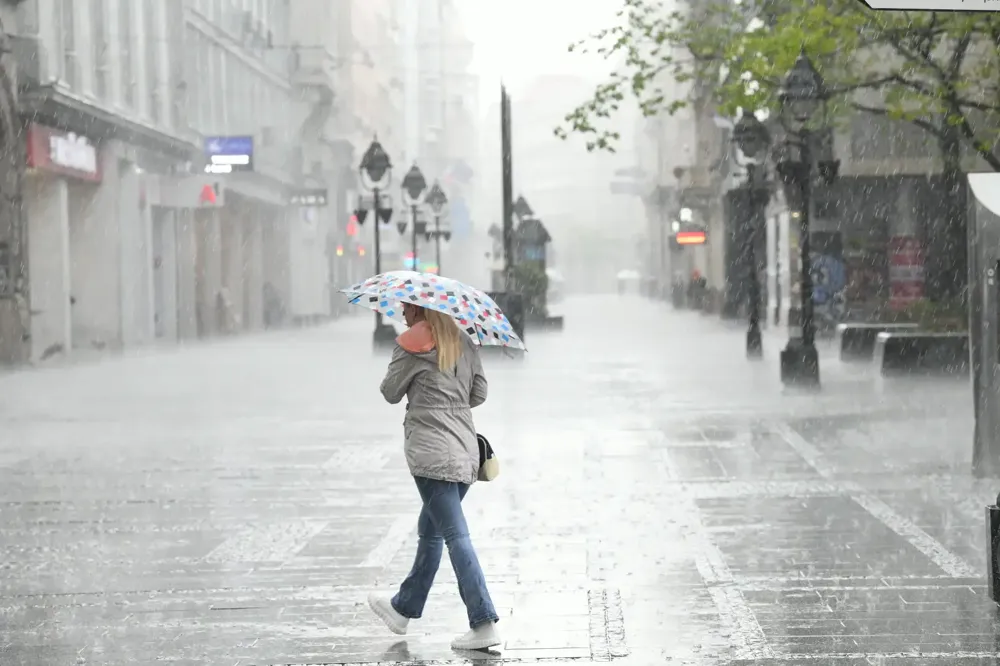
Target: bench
(906, 352)
(856, 341)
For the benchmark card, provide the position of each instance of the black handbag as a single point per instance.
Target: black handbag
(489, 465)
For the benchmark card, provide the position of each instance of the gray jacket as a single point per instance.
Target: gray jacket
(440, 437)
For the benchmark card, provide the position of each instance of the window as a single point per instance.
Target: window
(234, 81)
(256, 103)
(192, 62)
(100, 41)
(871, 137)
(127, 52)
(911, 141)
(153, 40)
(71, 65)
(877, 137)
(27, 18)
(203, 77)
(218, 87)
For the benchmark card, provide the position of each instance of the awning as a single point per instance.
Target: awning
(50, 106)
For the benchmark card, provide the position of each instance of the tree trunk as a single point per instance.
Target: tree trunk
(947, 247)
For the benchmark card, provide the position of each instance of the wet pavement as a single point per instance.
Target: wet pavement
(662, 500)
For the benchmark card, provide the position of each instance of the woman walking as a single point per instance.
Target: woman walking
(439, 371)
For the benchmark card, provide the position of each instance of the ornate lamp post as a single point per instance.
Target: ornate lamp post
(802, 96)
(375, 173)
(414, 185)
(437, 200)
(753, 139)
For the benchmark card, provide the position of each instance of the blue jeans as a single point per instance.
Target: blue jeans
(442, 522)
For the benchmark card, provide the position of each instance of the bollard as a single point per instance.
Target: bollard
(993, 550)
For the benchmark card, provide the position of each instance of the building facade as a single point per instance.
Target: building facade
(182, 169)
(262, 256)
(97, 104)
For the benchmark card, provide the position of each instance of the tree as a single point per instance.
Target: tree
(937, 70)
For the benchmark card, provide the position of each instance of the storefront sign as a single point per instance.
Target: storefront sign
(229, 154)
(310, 197)
(64, 153)
(690, 237)
(906, 271)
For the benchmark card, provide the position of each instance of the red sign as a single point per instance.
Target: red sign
(352, 226)
(63, 153)
(208, 195)
(906, 271)
(690, 237)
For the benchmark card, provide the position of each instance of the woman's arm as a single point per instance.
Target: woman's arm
(398, 376)
(479, 385)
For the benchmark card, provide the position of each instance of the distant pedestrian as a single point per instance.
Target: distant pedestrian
(439, 371)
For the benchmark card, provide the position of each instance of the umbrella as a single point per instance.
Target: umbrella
(475, 312)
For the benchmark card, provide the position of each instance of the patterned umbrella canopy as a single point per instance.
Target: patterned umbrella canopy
(475, 312)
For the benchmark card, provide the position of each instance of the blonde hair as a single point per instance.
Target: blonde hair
(447, 339)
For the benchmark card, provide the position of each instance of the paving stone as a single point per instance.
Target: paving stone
(662, 501)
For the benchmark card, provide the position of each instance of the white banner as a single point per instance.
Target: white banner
(935, 5)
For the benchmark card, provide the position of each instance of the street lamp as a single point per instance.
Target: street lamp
(801, 97)
(437, 200)
(414, 186)
(752, 138)
(376, 174)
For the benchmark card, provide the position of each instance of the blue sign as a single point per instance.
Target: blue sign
(227, 154)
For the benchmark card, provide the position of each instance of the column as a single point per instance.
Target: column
(95, 260)
(253, 277)
(299, 264)
(137, 309)
(276, 258)
(231, 230)
(46, 204)
(209, 271)
(711, 257)
(165, 273)
(186, 265)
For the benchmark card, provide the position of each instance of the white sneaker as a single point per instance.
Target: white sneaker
(382, 607)
(482, 637)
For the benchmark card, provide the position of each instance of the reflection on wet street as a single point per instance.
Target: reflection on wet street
(662, 499)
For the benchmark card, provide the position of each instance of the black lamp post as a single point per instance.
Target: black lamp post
(414, 186)
(376, 174)
(802, 95)
(437, 200)
(752, 138)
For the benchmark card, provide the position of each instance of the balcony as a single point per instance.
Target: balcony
(314, 67)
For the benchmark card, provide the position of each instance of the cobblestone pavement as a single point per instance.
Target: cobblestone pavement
(662, 501)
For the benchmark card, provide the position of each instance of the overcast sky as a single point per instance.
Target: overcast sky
(519, 39)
